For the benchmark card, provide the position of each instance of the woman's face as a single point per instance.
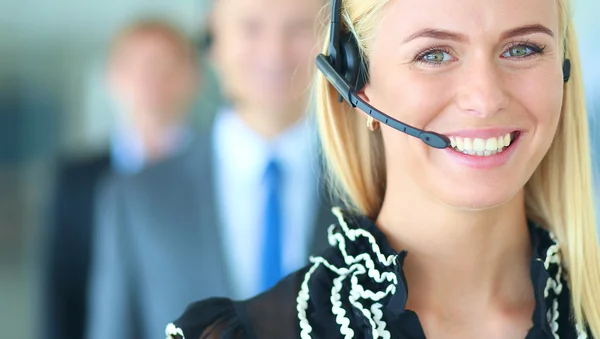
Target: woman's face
(487, 74)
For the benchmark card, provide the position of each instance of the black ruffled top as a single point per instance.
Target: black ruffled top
(357, 289)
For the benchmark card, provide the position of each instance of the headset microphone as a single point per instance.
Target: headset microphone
(346, 91)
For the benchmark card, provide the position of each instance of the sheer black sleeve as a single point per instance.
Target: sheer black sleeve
(271, 315)
(211, 318)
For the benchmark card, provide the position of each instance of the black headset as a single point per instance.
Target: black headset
(347, 71)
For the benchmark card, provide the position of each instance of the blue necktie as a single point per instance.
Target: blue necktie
(271, 252)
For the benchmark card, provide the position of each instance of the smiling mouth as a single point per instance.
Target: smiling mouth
(483, 147)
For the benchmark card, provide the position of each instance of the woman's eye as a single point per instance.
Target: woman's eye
(436, 57)
(519, 51)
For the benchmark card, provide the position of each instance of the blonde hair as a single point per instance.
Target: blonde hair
(356, 164)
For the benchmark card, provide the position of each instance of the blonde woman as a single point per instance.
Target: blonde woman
(469, 206)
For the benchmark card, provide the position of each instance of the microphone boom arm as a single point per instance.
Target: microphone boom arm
(348, 93)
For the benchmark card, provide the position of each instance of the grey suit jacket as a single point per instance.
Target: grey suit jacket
(157, 246)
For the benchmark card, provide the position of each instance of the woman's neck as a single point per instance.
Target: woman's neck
(461, 260)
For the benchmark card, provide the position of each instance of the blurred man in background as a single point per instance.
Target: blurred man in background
(242, 207)
(151, 73)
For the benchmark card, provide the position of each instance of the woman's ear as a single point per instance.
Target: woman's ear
(363, 93)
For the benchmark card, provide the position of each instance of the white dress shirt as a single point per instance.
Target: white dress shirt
(241, 158)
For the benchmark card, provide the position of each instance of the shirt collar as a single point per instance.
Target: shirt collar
(127, 149)
(235, 143)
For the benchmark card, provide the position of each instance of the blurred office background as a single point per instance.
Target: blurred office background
(52, 102)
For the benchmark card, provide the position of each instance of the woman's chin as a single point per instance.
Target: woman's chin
(477, 199)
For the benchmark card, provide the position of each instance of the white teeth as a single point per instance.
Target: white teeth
(468, 144)
(507, 139)
(491, 144)
(460, 144)
(479, 146)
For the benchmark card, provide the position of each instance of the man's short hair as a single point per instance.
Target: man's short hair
(159, 28)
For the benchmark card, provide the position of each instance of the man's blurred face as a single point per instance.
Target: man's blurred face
(151, 77)
(264, 49)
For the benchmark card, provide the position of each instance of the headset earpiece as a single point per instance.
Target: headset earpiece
(351, 63)
(566, 69)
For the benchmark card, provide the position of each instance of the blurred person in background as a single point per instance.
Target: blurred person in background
(239, 209)
(153, 77)
(151, 74)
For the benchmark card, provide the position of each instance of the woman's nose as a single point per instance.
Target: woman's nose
(482, 90)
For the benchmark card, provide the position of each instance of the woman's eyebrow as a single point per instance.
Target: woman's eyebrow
(442, 34)
(436, 34)
(526, 30)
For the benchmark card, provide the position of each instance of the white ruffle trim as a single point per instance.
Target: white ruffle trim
(173, 332)
(356, 266)
(555, 285)
(581, 333)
